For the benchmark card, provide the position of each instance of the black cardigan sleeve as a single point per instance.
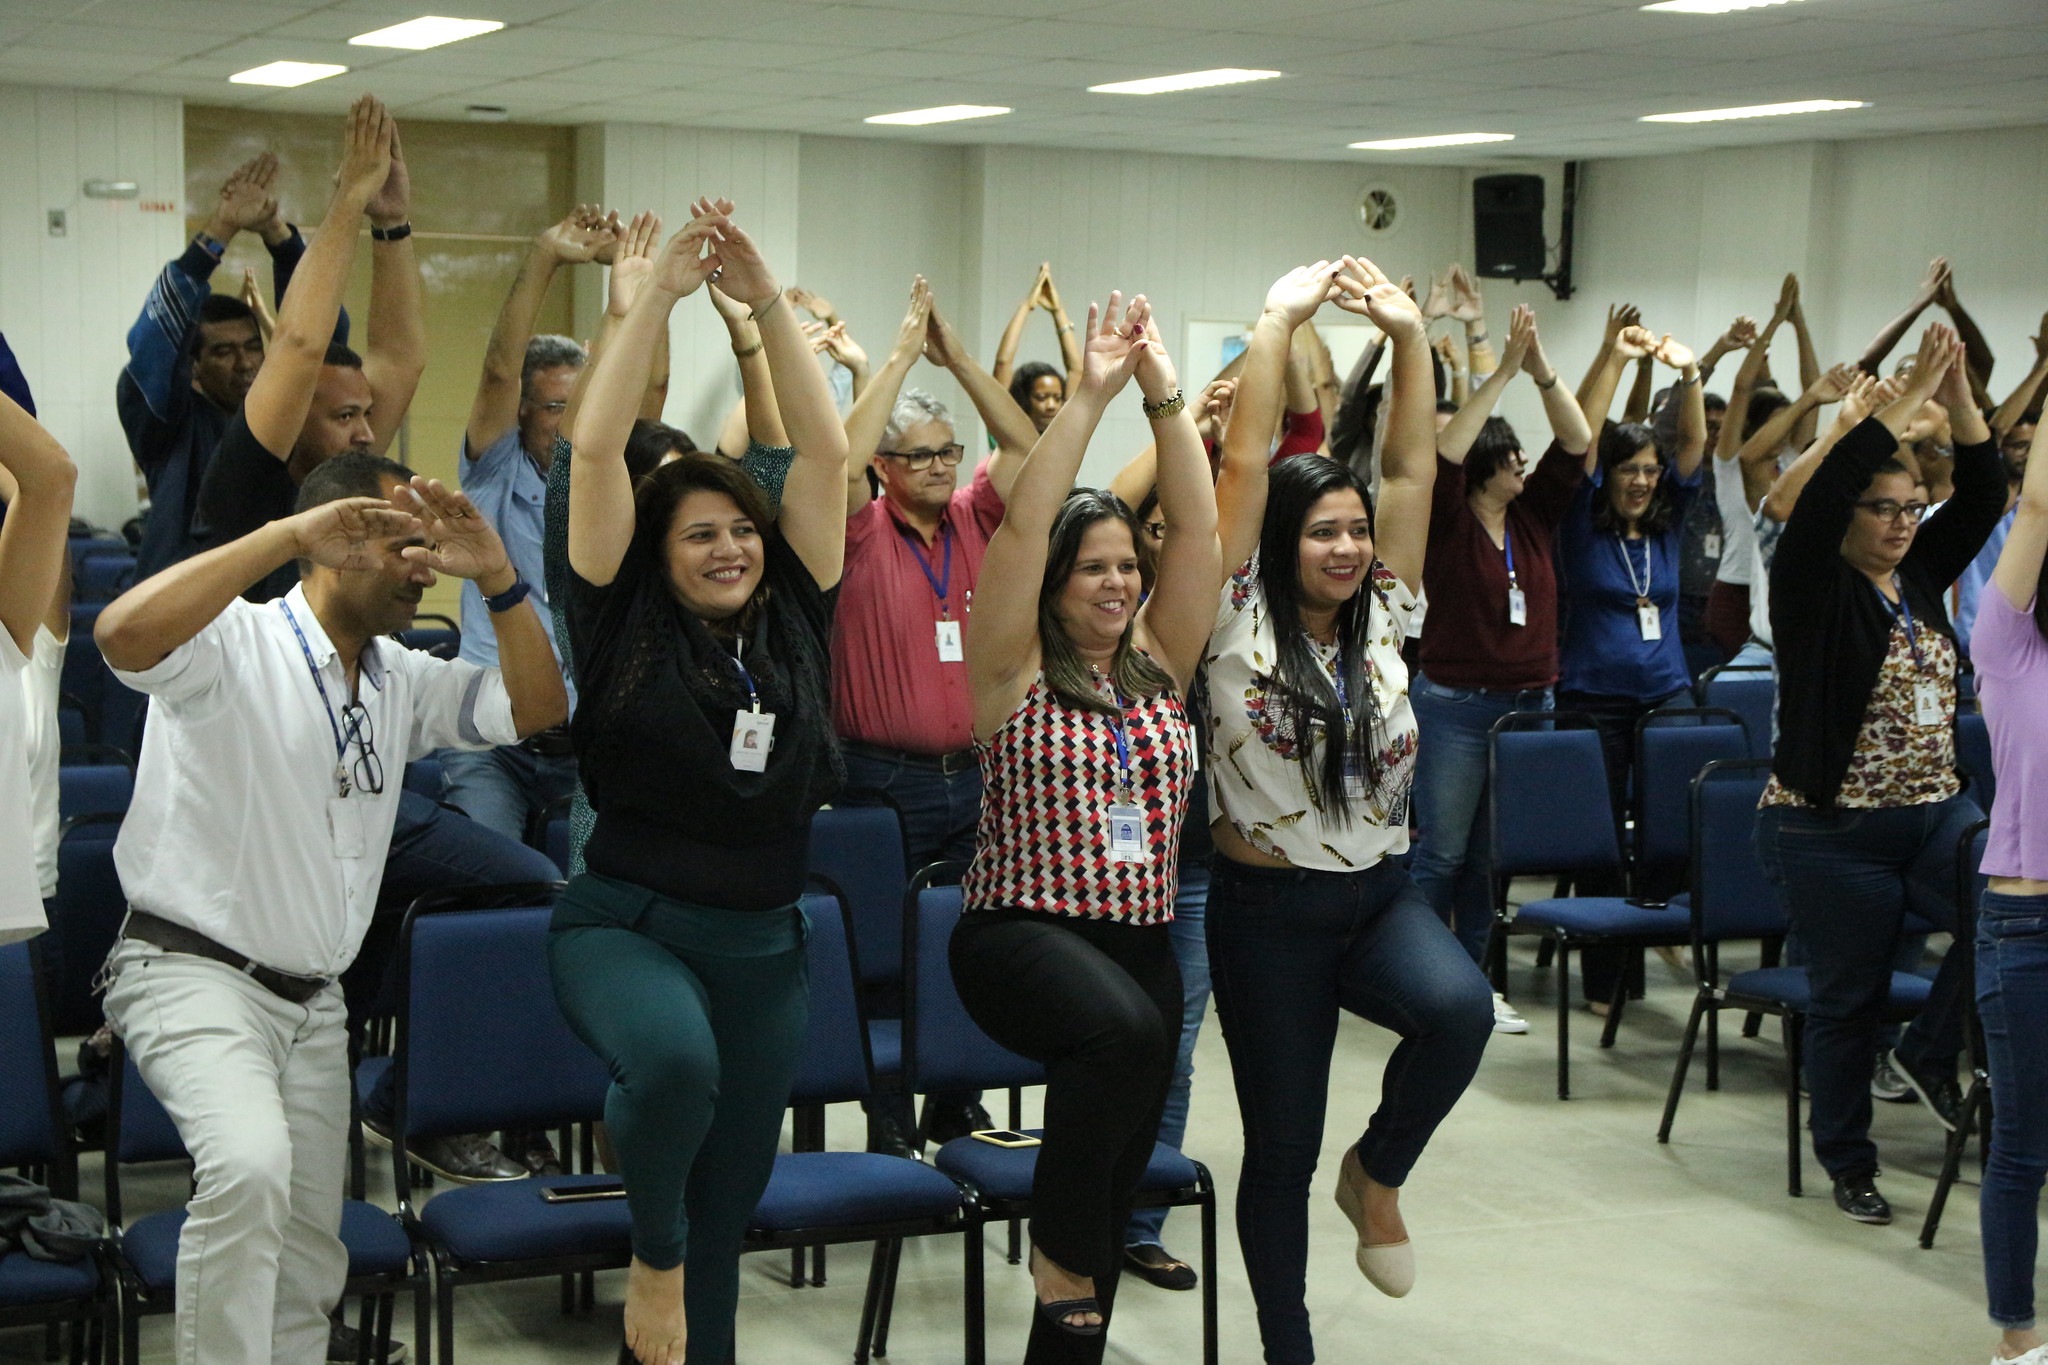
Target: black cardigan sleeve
(1953, 535)
(1812, 541)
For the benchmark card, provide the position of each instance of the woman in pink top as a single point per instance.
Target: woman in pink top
(2010, 649)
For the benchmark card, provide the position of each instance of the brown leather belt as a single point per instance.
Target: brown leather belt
(959, 761)
(176, 938)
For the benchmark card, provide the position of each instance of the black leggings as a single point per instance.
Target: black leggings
(1097, 1002)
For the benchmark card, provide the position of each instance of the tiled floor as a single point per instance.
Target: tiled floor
(1545, 1232)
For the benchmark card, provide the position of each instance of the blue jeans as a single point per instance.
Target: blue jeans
(2012, 1002)
(939, 811)
(1289, 950)
(1453, 838)
(1845, 878)
(504, 788)
(1191, 951)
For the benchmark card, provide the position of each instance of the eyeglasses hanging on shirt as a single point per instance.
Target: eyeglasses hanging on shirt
(365, 775)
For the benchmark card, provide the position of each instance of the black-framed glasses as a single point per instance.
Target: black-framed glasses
(367, 772)
(1155, 529)
(1639, 473)
(917, 461)
(1891, 509)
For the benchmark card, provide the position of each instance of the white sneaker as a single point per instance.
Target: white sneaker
(1506, 1020)
(2037, 1356)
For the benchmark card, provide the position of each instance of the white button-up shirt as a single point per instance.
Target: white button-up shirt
(229, 831)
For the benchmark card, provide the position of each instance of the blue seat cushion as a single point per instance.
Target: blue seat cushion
(369, 1071)
(1607, 917)
(1788, 987)
(851, 1189)
(376, 1244)
(1005, 1172)
(26, 1282)
(509, 1221)
(885, 1041)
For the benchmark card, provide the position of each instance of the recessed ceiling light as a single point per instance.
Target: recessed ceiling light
(944, 113)
(1713, 6)
(1187, 80)
(286, 73)
(1402, 144)
(1755, 111)
(429, 31)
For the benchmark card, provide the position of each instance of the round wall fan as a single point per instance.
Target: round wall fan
(1379, 211)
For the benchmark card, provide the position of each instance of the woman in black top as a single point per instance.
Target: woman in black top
(699, 627)
(1864, 807)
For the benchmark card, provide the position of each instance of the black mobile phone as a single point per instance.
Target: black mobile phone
(577, 1194)
(1004, 1137)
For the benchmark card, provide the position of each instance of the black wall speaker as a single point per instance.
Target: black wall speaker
(1507, 226)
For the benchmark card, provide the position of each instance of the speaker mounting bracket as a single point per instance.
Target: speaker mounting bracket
(1560, 279)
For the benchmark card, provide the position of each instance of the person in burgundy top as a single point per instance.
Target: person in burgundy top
(1063, 952)
(1489, 638)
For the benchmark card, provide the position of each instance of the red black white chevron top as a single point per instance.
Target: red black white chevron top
(1049, 777)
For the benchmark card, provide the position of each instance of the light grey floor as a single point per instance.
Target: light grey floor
(1545, 1232)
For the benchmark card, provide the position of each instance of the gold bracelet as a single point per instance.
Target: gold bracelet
(754, 314)
(754, 349)
(1159, 412)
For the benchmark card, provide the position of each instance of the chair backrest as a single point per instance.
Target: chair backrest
(1547, 784)
(1973, 756)
(94, 789)
(481, 1044)
(1732, 898)
(833, 1066)
(433, 633)
(859, 849)
(944, 1050)
(1751, 693)
(85, 917)
(31, 1121)
(103, 575)
(1671, 748)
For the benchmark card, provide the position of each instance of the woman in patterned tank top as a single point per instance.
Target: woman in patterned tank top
(1312, 752)
(1062, 954)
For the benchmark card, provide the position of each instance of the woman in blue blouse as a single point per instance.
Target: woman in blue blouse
(1619, 551)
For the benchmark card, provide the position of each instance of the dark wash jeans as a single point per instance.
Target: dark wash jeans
(939, 811)
(2012, 1002)
(1289, 949)
(1846, 878)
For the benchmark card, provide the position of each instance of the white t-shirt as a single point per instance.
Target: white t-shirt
(41, 682)
(1256, 777)
(1738, 532)
(21, 907)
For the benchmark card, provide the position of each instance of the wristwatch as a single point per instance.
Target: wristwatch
(509, 598)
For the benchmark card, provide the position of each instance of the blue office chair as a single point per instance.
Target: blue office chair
(94, 789)
(433, 633)
(1975, 1115)
(85, 918)
(103, 575)
(1751, 693)
(1671, 747)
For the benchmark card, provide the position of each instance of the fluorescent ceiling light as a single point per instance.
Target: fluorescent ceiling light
(1712, 6)
(1187, 80)
(286, 73)
(1755, 111)
(945, 113)
(1402, 144)
(430, 31)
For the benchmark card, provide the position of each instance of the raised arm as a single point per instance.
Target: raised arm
(813, 515)
(1408, 457)
(1002, 644)
(1758, 455)
(869, 416)
(1455, 440)
(1013, 331)
(2018, 574)
(1753, 363)
(1241, 479)
(836, 342)
(1867, 394)
(1620, 317)
(1181, 609)
(1974, 341)
(1692, 405)
(1888, 335)
(1063, 326)
(2024, 398)
(283, 390)
(395, 348)
(495, 409)
(1596, 396)
(1007, 425)
(1468, 308)
(763, 421)
(34, 546)
(600, 489)
(1809, 370)
(1740, 336)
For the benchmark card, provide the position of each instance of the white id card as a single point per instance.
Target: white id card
(1649, 622)
(753, 735)
(1127, 835)
(949, 642)
(345, 823)
(1927, 708)
(1518, 607)
(1711, 543)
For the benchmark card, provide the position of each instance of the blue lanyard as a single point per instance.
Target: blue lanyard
(939, 584)
(1507, 545)
(340, 745)
(753, 697)
(1123, 748)
(1905, 611)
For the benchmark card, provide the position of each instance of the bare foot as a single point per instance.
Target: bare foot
(1374, 1209)
(1054, 1285)
(655, 1328)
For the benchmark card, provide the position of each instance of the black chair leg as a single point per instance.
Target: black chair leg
(1714, 1049)
(974, 1327)
(1692, 1033)
(818, 1267)
(895, 1263)
(1209, 1344)
(1795, 1031)
(1952, 1160)
(869, 1303)
(444, 1313)
(1016, 1241)
(1615, 1005)
(796, 1267)
(1546, 950)
(1564, 1017)
(366, 1325)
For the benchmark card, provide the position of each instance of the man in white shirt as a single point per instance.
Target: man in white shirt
(252, 852)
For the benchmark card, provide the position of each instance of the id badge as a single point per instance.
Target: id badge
(1650, 622)
(1711, 543)
(1927, 708)
(753, 735)
(1518, 607)
(1127, 835)
(950, 651)
(345, 824)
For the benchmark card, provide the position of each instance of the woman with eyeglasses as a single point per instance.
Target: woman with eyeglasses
(1618, 549)
(699, 626)
(1865, 806)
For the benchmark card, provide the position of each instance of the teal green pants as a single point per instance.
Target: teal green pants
(699, 1013)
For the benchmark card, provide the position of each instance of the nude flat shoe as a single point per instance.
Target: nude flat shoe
(1388, 1266)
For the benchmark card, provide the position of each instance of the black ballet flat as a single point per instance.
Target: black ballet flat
(1058, 1311)
(626, 1356)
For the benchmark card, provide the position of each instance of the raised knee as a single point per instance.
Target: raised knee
(250, 1173)
(669, 1068)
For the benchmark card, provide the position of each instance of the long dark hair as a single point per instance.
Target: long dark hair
(654, 509)
(1620, 441)
(1027, 375)
(1067, 675)
(1300, 684)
